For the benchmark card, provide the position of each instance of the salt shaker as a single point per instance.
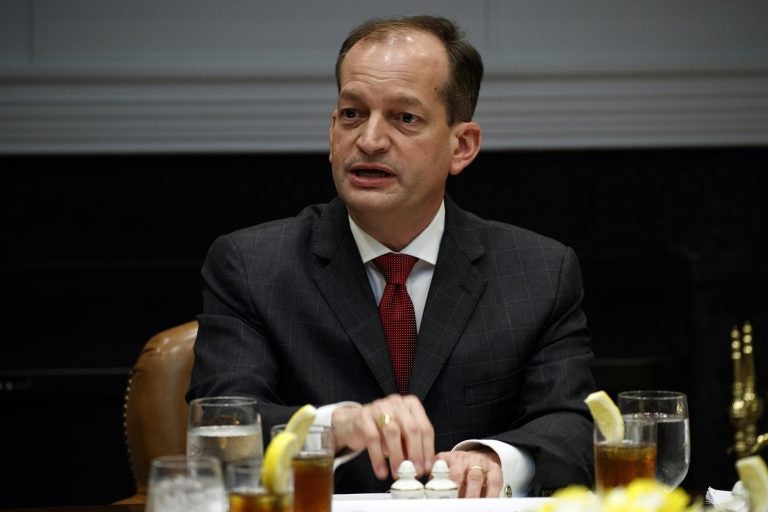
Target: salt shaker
(406, 487)
(440, 486)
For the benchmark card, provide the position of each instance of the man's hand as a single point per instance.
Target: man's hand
(395, 427)
(477, 472)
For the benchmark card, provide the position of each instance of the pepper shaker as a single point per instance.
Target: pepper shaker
(406, 487)
(440, 486)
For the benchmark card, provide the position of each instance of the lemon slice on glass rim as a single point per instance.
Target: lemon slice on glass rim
(301, 422)
(606, 415)
(277, 469)
(753, 474)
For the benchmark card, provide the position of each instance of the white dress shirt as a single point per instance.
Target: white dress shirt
(517, 466)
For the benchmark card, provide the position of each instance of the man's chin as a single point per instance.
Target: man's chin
(369, 200)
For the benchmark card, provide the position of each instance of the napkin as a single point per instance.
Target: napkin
(735, 500)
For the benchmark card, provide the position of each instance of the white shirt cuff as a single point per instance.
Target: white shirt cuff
(516, 465)
(324, 417)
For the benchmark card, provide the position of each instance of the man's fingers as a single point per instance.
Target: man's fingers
(406, 432)
(393, 444)
(409, 441)
(474, 479)
(394, 428)
(420, 436)
(373, 442)
(494, 481)
(476, 472)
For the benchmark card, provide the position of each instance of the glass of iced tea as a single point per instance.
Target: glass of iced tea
(618, 463)
(247, 493)
(313, 470)
(673, 440)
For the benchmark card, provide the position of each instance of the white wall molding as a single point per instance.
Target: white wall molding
(641, 110)
(164, 114)
(88, 76)
(130, 114)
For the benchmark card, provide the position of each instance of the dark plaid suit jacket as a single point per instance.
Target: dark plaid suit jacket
(503, 350)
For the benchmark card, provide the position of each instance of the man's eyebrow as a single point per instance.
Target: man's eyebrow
(408, 101)
(400, 99)
(349, 96)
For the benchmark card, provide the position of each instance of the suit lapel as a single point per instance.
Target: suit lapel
(453, 295)
(340, 277)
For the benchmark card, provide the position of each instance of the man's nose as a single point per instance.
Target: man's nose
(374, 136)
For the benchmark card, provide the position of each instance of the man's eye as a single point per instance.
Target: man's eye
(348, 113)
(408, 118)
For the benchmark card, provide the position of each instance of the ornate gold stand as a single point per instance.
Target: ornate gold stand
(746, 407)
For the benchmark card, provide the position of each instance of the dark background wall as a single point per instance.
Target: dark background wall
(100, 252)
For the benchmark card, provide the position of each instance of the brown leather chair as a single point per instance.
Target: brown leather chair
(155, 411)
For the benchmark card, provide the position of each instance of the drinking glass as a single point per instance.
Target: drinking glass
(313, 470)
(226, 427)
(247, 493)
(180, 484)
(617, 463)
(670, 411)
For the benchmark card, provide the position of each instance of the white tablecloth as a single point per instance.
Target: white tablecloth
(384, 503)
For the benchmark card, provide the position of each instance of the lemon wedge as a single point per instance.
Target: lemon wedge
(753, 474)
(606, 415)
(300, 423)
(277, 470)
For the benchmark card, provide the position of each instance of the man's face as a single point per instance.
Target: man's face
(391, 148)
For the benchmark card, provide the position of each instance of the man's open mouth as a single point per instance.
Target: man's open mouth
(371, 173)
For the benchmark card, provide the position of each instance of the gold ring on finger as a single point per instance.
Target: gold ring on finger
(383, 419)
(477, 467)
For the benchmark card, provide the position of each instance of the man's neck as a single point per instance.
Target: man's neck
(425, 246)
(391, 231)
(394, 229)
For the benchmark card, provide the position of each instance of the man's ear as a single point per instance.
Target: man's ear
(330, 135)
(467, 138)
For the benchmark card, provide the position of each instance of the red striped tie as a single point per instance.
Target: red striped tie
(397, 315)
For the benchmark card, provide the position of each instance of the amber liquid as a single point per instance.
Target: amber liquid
(619, 464)
(312, 482)
(258, 501)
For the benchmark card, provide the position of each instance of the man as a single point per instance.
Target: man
(495, 380)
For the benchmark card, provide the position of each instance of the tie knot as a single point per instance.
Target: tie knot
(395, 267)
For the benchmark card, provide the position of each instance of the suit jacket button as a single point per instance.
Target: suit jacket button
(508, 491)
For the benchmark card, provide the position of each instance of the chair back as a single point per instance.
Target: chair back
(155, 411)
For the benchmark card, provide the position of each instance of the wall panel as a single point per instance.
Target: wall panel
(99, 252)
(99, 77)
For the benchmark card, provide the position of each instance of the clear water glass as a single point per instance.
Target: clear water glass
(673, 439)
(181, 484)
(226, 427)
